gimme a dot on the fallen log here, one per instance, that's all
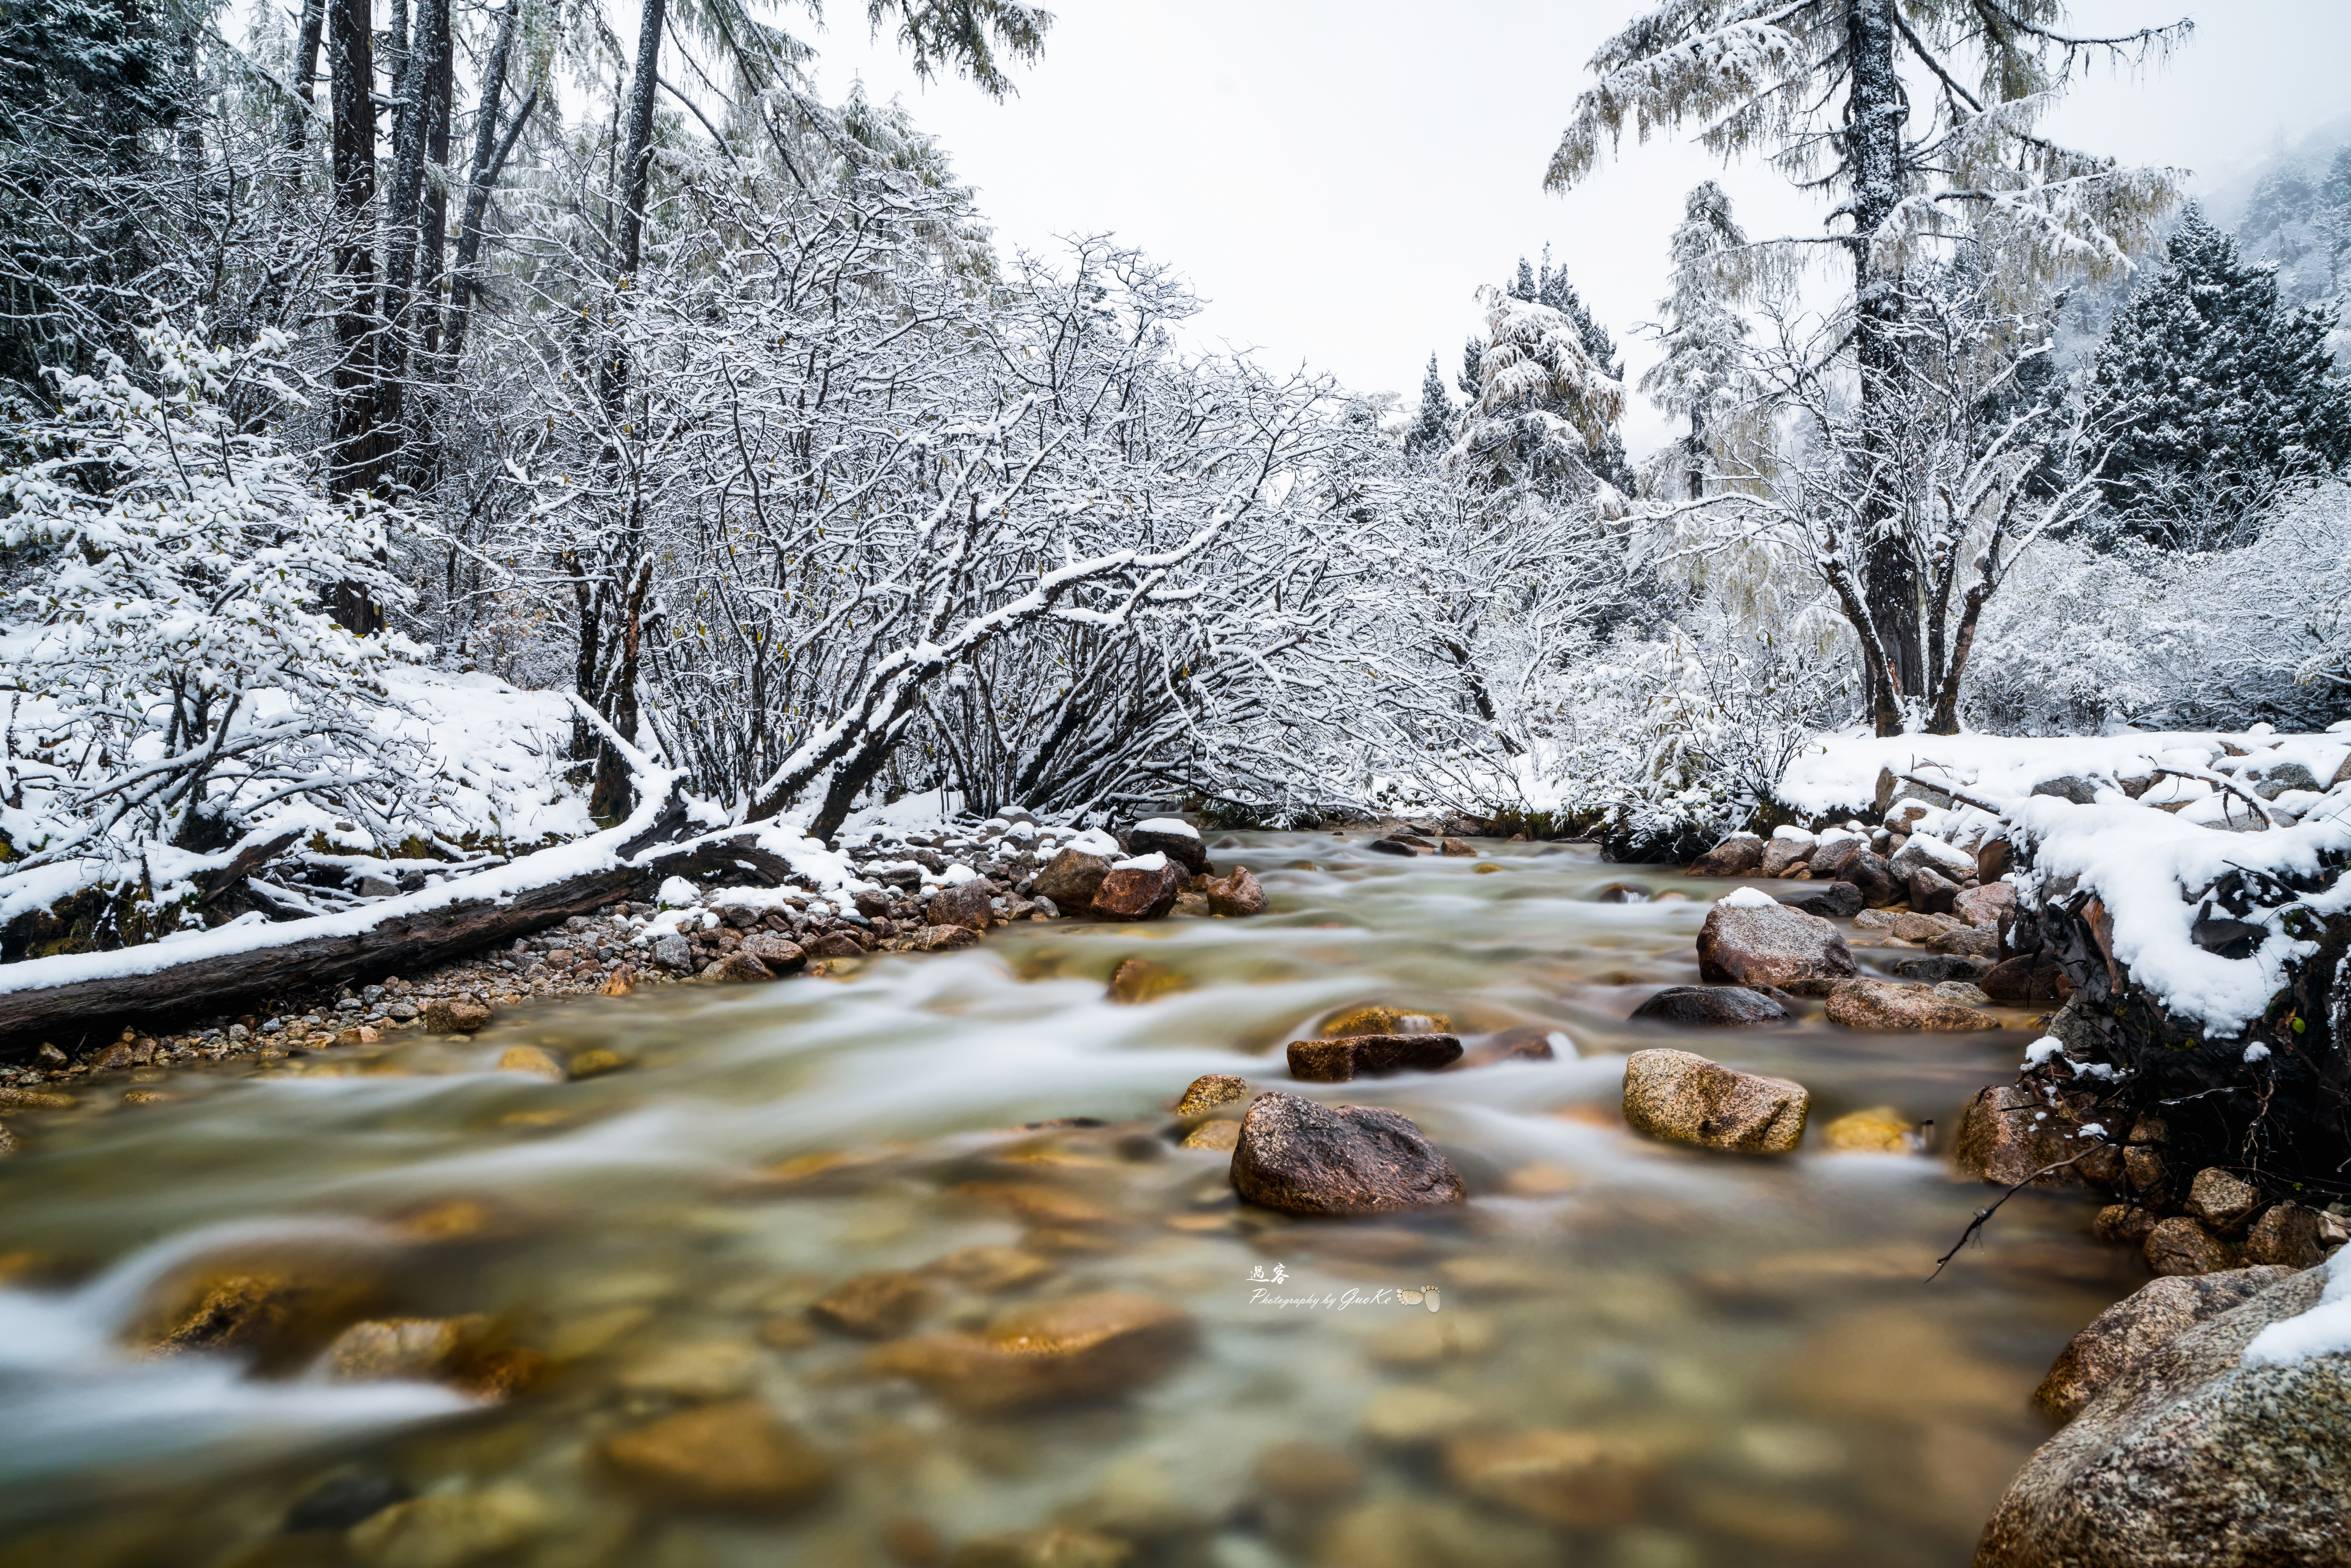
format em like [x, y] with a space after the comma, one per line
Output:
[74, 999]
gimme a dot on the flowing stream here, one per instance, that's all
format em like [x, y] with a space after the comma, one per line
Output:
[1759, 1333]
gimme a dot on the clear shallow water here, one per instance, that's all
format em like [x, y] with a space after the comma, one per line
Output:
[1758, 1335]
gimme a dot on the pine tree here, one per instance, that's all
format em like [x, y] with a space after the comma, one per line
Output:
[1524, 287]
[1819, 86]
[1472, 379]
[2215, 395]
[1702, 334]
[1552, 288]
[1431, 429]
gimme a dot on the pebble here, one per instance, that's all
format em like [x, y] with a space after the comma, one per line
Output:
[1573, 1480]
[1308, 1472]
[880, 1305]
[1881, 1130]
[991, 1269]
[1082, 1347]
[707, 1369]
[532, 1060]
[1414, 1415]
[450, 1530]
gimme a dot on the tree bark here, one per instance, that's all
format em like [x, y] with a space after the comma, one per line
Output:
[306, 73]
[357, 447]
[423, 64]
[637, 157]
[1875, 109]
[490, 153]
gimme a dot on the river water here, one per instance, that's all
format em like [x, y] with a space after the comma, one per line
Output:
[1758, 1335]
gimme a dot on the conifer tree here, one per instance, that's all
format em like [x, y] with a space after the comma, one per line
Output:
[1432, 428]
[2215, 395]
[1702, 332]
[1827, 88]
[1552, 288]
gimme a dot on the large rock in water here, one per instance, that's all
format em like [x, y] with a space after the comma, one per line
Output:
[1737, 855]
[1683, 1098]
[1176, 839]
[1140, 889]
[1079, 1348]
[1770, 945]
[1712, 1007]
[1882, 1005]
[1371, 1056]
[1071, 878]
[2200, 1455]
[2119, 1339]
[1236, 894]
[1829, 900]
[2008, 1134]
[1303, 1157]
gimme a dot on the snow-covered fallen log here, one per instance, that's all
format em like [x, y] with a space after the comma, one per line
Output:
[64, 998]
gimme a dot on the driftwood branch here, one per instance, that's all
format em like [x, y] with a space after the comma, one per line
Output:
[1983, 1215]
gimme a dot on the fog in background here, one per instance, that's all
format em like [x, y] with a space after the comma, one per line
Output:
[1338, 178]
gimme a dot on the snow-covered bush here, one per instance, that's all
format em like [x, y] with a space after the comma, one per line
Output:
[167, 664]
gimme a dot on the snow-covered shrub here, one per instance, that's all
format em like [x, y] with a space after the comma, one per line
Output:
[167, 664]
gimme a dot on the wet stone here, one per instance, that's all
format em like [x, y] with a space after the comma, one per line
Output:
[1525, 1044]
[1771, 945]
[1139, 980]
[1576, 1481]
[734, 1456]
[880, 1305]
[1061, 1548]
[1308, 1472]
[1209, 1091]
[533, 1061]
[1712, 1007]
[991, 1268]
[455, 1015]
[2286, 1234]
[1881, 1005]
[450, 1530]
[1236, 895]
[1083, 1348]
[1371, 1056]
[342, 1501]
[1303, 1157]
[2221, 1199]
[1221, 1137]
[1881, 1130]
[1071, 879]
[1138, 892]
[1682, 1097]
[2122, 1338]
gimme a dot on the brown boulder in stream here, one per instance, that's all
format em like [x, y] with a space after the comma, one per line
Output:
[1144, 891]
[1071, 878]
[1303, 1157]
[2119, 1339]
[1236, 895]
[736, 1457]
[967, 904]
[1770, 945]
[1683, 1098]
[1712, 1007]
[1371, 1056]
[1882, 1005]
[1737, 855]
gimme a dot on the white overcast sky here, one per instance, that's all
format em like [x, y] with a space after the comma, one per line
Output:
[1337, 178]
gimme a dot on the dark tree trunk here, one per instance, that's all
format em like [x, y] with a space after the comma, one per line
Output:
[1876, 109]
[491, 151]
[306, 73]
[636, 176]
[358, 447]
[612, 796]
[423, 64]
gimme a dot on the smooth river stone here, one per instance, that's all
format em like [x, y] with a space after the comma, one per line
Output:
[1711, 1007]
[1083, 1348]
[736, 1456]
[1371, 1056]
[1771, 945]
[1683, 1098]
[1303, 1157]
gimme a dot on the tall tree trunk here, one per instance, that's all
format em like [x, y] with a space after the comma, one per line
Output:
[636, 176]
[1697, 455]
[358, 447]
[1876, 109]
[425, 63]
[490, 152]
[306, 73]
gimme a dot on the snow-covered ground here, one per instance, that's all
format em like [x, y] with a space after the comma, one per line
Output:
[2148, 823]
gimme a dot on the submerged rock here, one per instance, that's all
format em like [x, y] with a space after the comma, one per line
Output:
[1303, 1157]
[2119, 1339]
[277, 1319]
[534, 1062]
[2183, 1246]
[1770, 945]
[2007, 1135]
[1083, 1348]
[1527, 1044]
[1882, 1005]
[1140, 980]
[1880, 1130]
[1383, 1020]
[1684, 1098]
[1371, 1056]
[1576, 1481]
[455, 1015]
[1712, 1007]
[2195, 1456]
[1829, 900]
[448, 1529]
[874, 1306]
[736, 1456]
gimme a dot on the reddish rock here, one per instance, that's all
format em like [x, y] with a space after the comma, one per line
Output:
[779, 955]
[1082, 1347]
[1882, 1005]
[1931, 892]
[1071, 878]
[880, 1305]
[1771, 945]
[1782, 856]
[1527, 1044]
[455, 1015]
[1457, 847]
[2286, 1234]
[1830, 859]
[1236, 894]
[1987, 906]
[945, 938]
[1738, 855]
[735, 1457]
[738, 968]
[1371, 1056]
[840, 945]
[1303, 1157]
[2007, 1135]
[1994, 860]
[1138, 892]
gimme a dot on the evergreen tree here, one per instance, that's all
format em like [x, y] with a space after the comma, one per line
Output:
[1552, 288]
[1819, 87]
[1472, 380]
[2214, 395]
[1523, 287]
[1702, 334]
[1431, 429]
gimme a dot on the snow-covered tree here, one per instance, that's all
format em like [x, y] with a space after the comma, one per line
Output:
[1545, 408]
[1432, 427]
[2216, 394]
[1702, 332]
[1827, 88]
[168, 664]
